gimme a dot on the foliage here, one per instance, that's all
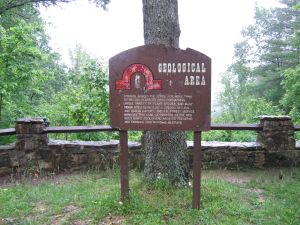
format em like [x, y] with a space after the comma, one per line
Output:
[84, 99]
[273, 50]
[291, 99]
[262, 78]
[27, 67]
[237, 102]
[297, 6]
[33, 83]
[6, 6]
[93, 198]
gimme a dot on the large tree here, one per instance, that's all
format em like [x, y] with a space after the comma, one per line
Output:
[165, 151]
[273, 48]
[261, 71]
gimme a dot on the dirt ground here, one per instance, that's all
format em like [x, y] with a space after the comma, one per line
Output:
[243, 177]
[231, 176]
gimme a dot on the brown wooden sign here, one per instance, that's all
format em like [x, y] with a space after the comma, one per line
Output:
[154, 87]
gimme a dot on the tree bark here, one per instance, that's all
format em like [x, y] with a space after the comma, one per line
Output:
[166, 154]
[161, 24]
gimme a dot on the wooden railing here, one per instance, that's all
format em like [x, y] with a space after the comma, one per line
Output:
[77, 129]
[256, 127]
[8, 131]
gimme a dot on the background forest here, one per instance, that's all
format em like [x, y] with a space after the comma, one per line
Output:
[263, 79]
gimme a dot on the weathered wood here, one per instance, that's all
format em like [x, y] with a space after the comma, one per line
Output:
[256, 127]
[197, 161]
[71, 129]
[297, 127]
[140, 77]
[8, 131]
[76, 129]
[124, 166]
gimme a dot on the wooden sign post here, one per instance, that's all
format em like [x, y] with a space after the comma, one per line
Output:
[160, 88]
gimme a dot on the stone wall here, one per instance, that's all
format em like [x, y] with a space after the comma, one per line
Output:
[34, 153]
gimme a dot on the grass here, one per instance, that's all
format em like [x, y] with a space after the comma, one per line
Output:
[256, 197]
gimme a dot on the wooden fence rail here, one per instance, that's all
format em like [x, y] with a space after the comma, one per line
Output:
[77, 129]
[256, 127]
[8, 131]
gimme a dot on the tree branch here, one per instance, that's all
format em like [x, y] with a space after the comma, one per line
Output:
[9, 5]
[12, 4]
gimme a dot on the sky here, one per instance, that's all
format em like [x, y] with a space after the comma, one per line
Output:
[208, 26]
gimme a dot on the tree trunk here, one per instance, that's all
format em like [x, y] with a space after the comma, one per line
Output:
[166, 154]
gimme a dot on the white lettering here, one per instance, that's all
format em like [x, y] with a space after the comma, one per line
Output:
[186, 67]
[173, 67]
[169, 67]
[179, 67]
[160, 68]
[203, 68]
[164, 67]
[183, 67]
[186, 81]
[193, 67]
[197, 80]
[198, 70]
[203, 83]
[192, 80]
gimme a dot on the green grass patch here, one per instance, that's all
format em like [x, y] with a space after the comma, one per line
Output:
[93, 197]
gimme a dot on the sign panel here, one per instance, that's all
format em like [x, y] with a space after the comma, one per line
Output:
[154, 87]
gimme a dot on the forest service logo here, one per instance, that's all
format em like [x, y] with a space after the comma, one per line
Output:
[125, 83]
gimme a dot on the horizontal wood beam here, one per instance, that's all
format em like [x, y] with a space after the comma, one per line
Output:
[218, 126]
[8, 131]
[71, 129]
[77, 129]
[297, 127]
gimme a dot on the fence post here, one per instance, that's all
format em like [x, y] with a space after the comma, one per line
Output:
[277, 133]
[30, 138]
[277, 138]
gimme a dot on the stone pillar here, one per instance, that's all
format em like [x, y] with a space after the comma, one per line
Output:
[30, 139]
[277, 133]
